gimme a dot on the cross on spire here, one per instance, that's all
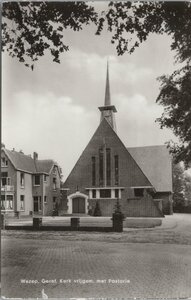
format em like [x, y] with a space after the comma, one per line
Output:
[108, 110]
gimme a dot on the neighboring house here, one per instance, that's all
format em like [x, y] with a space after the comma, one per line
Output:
[28, 184]
[141, 177]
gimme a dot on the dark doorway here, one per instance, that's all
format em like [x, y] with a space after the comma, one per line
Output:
[35, 204]
[78, 205]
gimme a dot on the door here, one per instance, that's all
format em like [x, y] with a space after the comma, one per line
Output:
[35, 204]
[78, 205]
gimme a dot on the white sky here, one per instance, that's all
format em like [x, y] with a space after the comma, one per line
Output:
[53, 109]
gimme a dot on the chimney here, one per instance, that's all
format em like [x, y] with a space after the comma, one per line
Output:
[21, 151]
[35, 155]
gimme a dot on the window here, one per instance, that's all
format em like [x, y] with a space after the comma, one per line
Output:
[139, 192]
[37, 180]
[93, 193]
[3, 202]
[108, 166]
[116, 163]
[4, 176]
[45, 178]
[22, 179]
[40, 203]
[93, 170]
[45, 199]
[22, 200]
[106, 193]
[4, 162]
[116, 193]
[54, 170]
[10, 201]
[101, 167]
[54, 183]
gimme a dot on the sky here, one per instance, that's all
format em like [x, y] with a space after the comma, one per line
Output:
[53, 110]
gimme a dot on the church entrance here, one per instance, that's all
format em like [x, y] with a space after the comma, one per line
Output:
[78, 205]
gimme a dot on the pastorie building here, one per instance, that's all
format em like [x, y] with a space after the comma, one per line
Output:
[28, 185]
[141, 177]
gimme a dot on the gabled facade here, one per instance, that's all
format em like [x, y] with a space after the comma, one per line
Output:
[107, 171]
[28, 185]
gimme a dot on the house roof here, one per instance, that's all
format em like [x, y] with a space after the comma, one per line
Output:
[26, 163]
[155, 162]
[44, 165]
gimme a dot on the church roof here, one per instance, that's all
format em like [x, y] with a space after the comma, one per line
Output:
[26, 163]
[155, 162]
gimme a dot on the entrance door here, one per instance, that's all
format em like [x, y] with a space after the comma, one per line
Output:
[78, 205]
[35, 204]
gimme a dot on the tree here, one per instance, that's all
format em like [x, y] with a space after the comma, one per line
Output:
[31, 28]
[181, 189]
[97, 211]
[178, 187]
[188, 190]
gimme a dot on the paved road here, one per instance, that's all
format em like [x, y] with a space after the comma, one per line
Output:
[156, 267]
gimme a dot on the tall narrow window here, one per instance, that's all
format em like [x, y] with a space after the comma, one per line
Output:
[22, 179]
[116, 162]
[54, 183]
[108, 167]
[101, 167]
[3, 202]
[40, 203]
[93, 170]
[22, 200]
[93, 193]
[37, 180]
[4, 176]
[10, 201]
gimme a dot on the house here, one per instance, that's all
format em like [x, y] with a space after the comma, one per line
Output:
[28, 185]
[141, 177]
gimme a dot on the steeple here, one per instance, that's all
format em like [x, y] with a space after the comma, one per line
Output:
[108, 110]
[107, 88]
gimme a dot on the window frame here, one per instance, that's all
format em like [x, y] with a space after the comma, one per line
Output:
[22, 179]
[102, 191]
[22, 207]
[35, 179]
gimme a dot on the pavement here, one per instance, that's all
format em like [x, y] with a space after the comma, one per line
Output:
[138, 263]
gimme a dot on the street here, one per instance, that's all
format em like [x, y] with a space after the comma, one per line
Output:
[146, 263]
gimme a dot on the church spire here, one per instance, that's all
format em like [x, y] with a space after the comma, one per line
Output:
[107, 88]
[108, 110]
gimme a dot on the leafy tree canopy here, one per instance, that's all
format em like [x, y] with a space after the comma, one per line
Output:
[31, 28]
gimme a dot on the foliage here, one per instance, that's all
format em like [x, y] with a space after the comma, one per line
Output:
[181, 188]
[175, 96]
[97, 211]
[117, 210]
[31, 28]
[132, 22]
[178, 186]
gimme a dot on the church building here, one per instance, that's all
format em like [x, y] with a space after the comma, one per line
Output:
[141, 177]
